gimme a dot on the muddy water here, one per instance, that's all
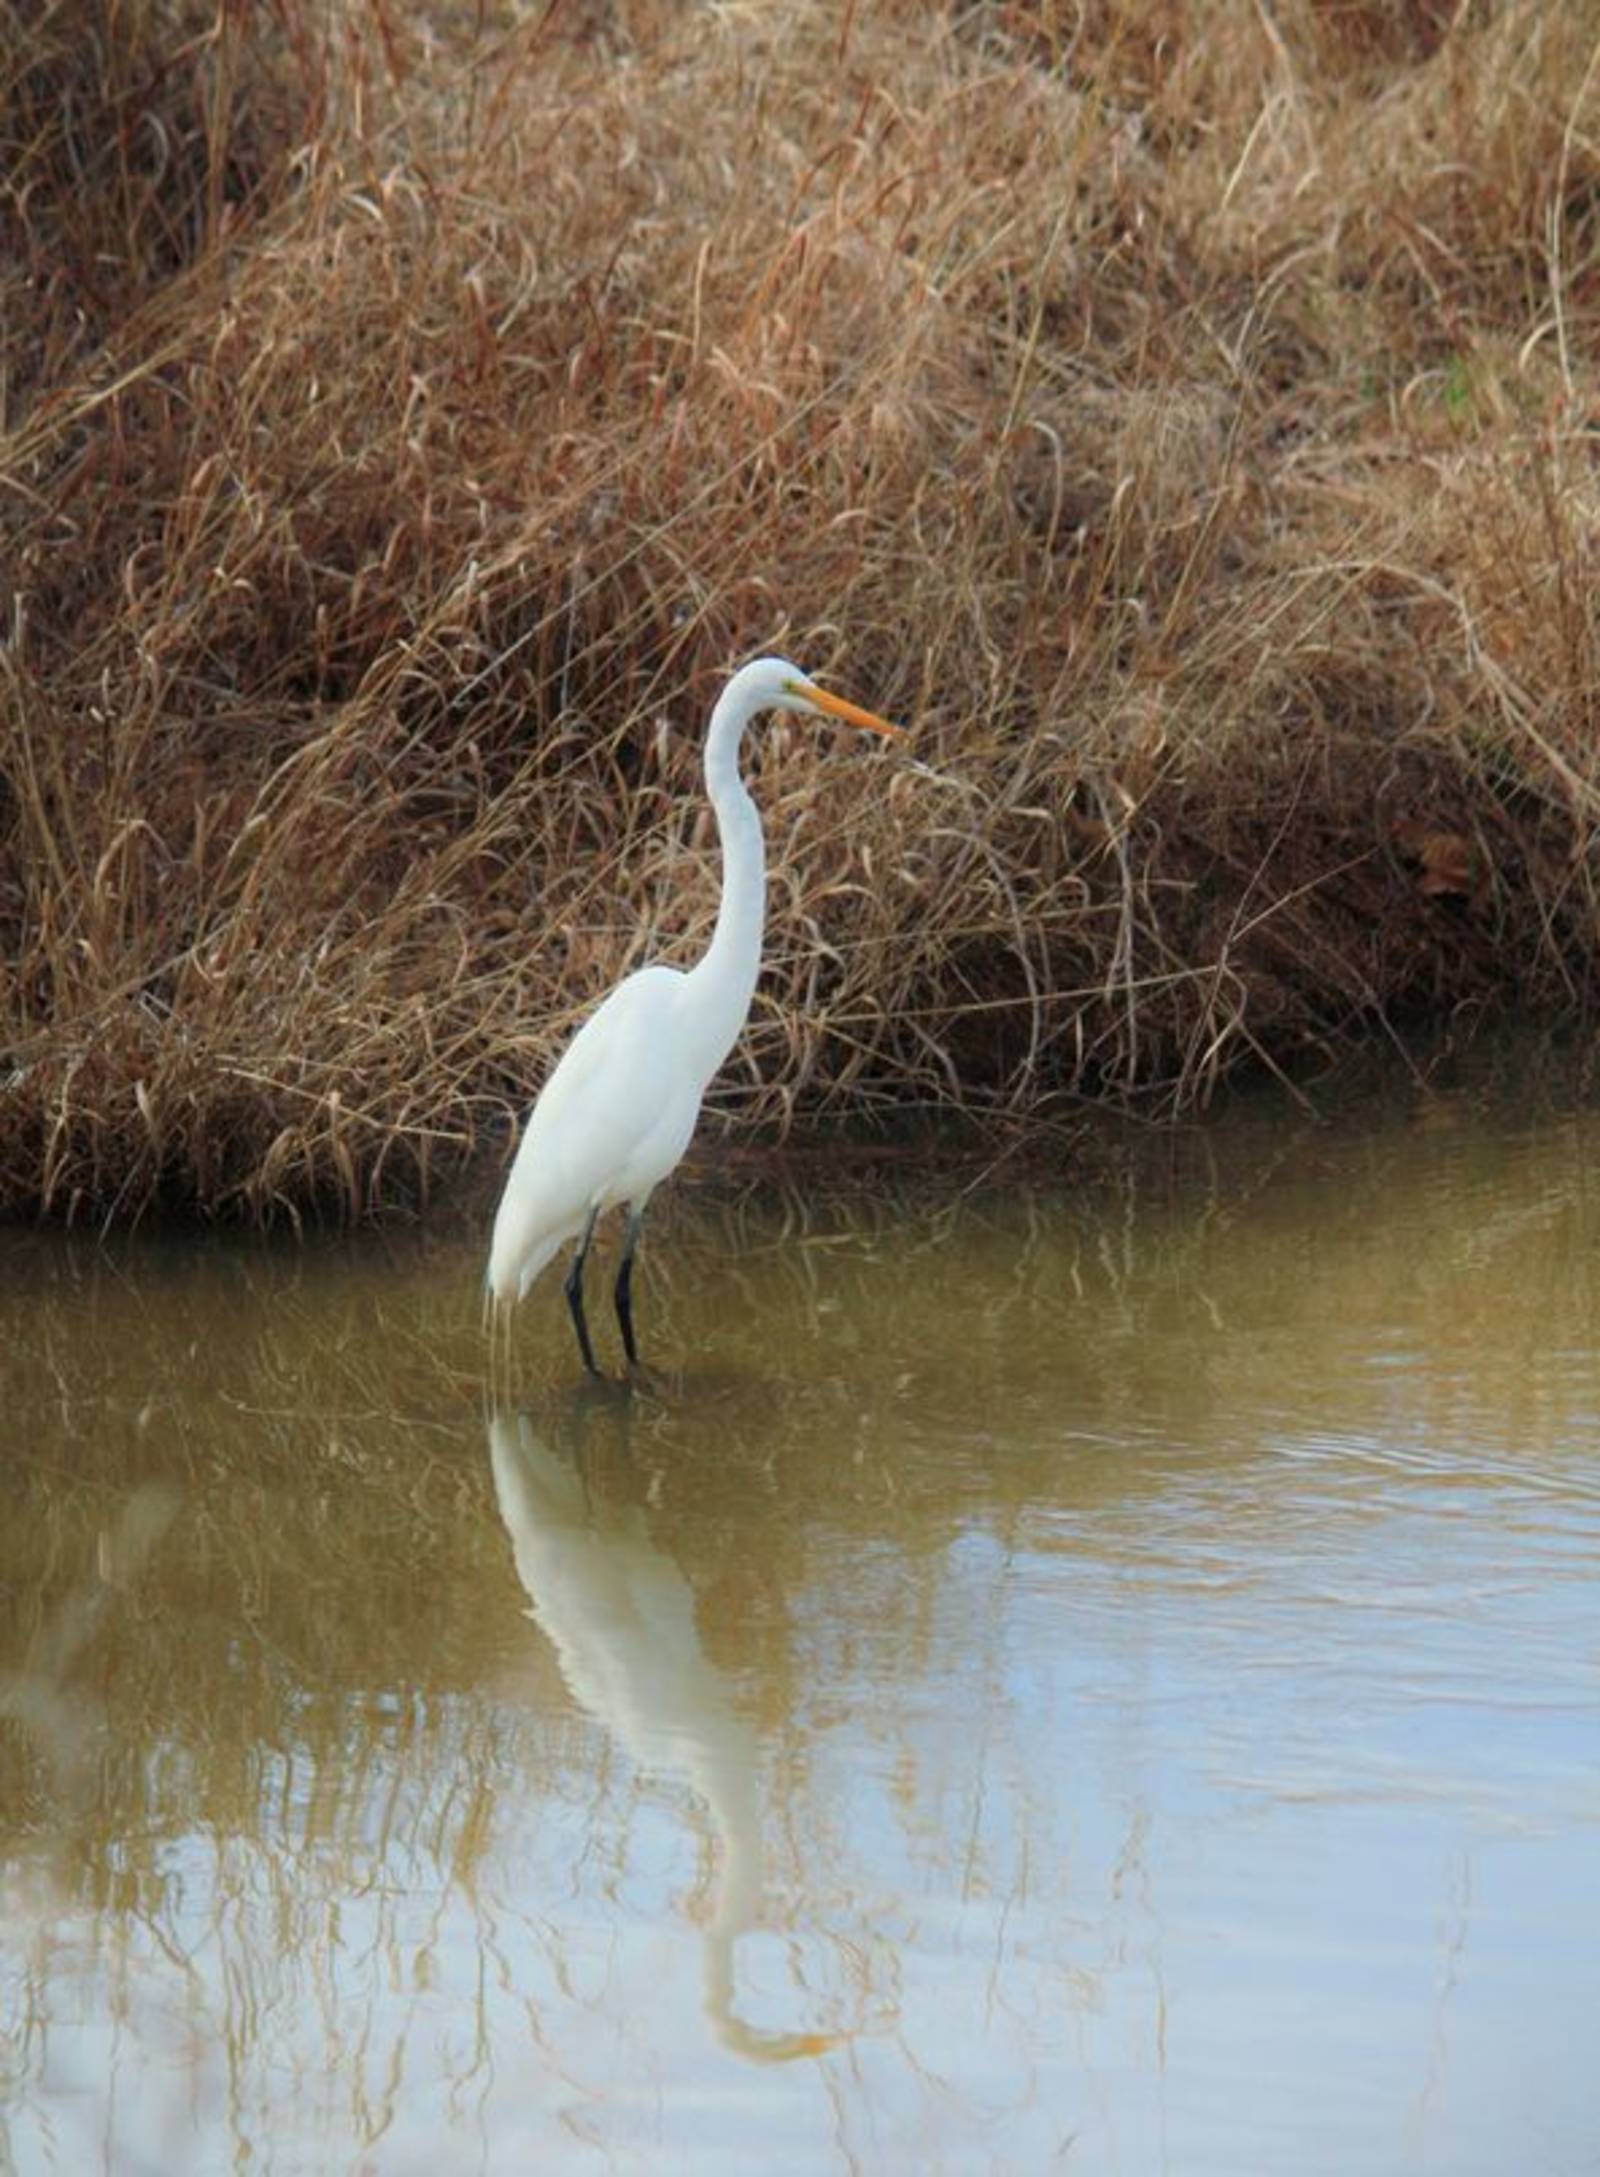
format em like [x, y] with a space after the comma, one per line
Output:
[1035, 1680]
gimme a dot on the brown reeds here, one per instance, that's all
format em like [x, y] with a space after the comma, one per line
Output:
[1184, 417]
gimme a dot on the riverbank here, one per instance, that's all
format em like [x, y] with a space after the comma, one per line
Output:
[1185, 421]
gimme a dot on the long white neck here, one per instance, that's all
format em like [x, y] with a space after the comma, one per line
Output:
[723, 982]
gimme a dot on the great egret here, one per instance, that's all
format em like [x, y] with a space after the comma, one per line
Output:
[616, 1114]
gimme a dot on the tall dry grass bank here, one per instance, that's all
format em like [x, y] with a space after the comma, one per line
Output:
[1183, 413]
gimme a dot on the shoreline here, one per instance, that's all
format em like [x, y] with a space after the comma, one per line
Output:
[1187, 431]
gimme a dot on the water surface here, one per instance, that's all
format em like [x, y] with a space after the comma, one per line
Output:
[1037, 1678]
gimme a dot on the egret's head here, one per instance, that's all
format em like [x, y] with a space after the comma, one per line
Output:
[773, 684]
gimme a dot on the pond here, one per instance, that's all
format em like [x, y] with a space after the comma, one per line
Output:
[1038, 1675]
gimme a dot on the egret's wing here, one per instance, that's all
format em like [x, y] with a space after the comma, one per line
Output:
[603, 1098]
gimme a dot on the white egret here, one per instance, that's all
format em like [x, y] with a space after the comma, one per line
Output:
[617, 1113]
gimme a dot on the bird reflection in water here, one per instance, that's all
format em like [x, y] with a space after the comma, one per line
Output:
[44, 1697]
[621, 1617]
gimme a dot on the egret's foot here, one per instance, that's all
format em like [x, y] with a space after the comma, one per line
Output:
[596, 1392]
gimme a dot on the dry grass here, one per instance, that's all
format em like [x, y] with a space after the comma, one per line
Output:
[1184, 416]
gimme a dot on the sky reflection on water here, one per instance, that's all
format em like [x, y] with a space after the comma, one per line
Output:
[1107, 1681]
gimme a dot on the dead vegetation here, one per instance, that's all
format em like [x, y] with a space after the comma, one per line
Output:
[1184, 416]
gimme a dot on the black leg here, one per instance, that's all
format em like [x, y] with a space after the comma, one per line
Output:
[624, 1292]
[573, 1288]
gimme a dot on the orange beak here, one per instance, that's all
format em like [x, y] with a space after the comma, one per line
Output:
[853, 715]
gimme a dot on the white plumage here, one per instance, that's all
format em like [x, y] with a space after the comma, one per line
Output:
[617, 1113]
